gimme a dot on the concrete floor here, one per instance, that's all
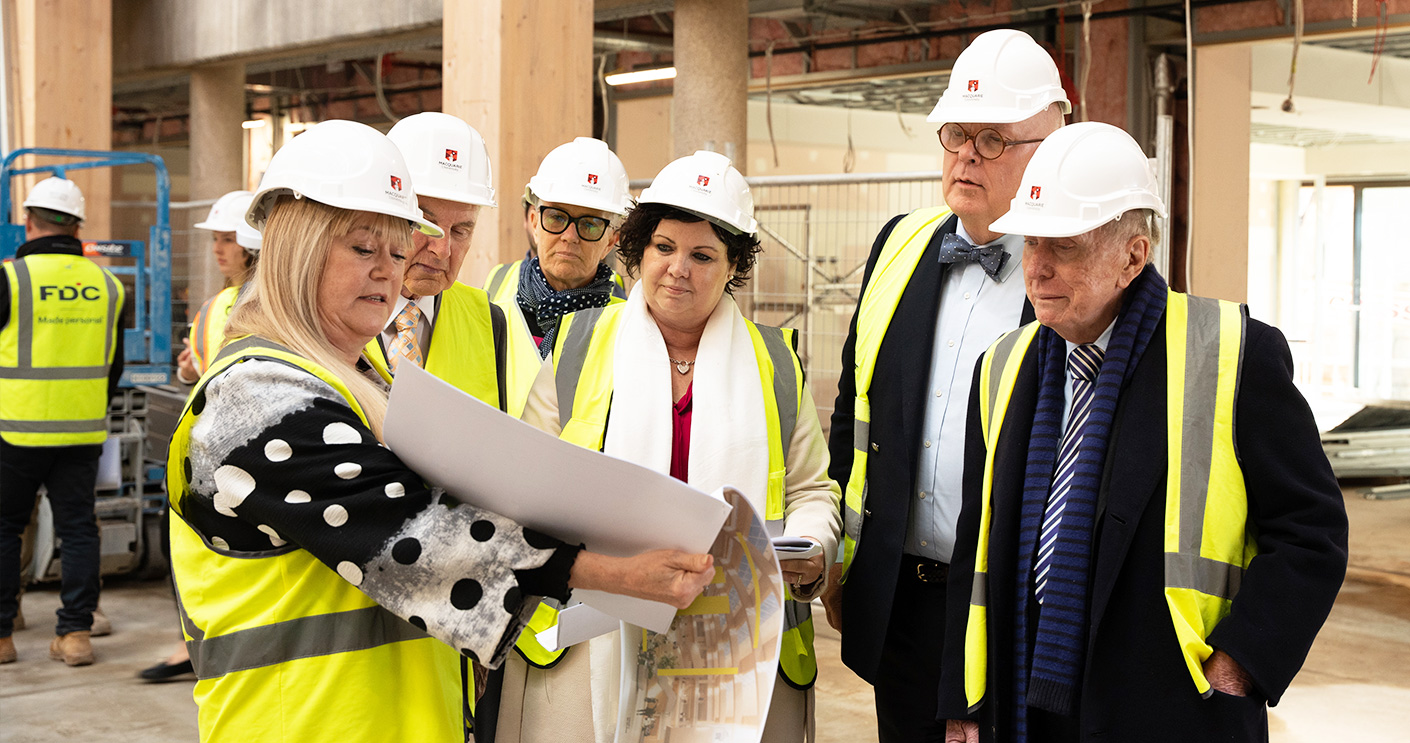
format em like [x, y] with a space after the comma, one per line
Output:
[1354, 686]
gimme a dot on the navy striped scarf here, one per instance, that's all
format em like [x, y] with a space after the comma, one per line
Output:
[1059, 648]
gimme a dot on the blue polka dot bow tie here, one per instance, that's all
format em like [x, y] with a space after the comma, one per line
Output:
[956, 249]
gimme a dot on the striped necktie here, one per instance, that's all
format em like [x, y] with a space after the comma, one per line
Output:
[1083, 364]
[405, 345]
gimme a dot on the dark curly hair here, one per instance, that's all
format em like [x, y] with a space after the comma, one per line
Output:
[635, 234]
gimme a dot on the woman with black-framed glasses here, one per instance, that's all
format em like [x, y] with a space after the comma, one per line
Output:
[574, 202]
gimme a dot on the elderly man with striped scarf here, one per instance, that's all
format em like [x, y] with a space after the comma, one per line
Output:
[1151, 537]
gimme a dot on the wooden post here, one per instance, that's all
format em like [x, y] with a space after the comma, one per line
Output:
[63, 96]
[520, 72]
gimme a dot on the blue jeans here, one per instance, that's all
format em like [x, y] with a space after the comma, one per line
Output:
[69, 473]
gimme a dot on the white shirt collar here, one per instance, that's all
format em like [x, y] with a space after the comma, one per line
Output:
[428, 311]
[1101, 341]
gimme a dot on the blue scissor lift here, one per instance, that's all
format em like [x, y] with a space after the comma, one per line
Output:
[130, 493]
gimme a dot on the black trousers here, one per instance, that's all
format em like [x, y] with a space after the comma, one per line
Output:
[69, 473]
[908, 677]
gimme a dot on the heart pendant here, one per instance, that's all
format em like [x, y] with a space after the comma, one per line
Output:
[683, 367]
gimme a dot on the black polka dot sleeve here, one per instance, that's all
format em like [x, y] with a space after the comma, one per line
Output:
[280, 462]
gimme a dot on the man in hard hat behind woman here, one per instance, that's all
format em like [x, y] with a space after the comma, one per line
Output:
[577, 197]
[449, 329]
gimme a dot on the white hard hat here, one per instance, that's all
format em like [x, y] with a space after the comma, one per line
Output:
[1002, 77]
[707, 185]
[57, 194]
[342, 164]
[226, 212]
[447, 157]
[246, 236]
[1081, 177]
[583, 173]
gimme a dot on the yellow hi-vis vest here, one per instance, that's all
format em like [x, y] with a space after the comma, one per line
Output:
[56, 350]
[208, 329]
[1208, 542]
[583, 376]
[285, 648]
[524, 361]
[463, 348]
[894, 267]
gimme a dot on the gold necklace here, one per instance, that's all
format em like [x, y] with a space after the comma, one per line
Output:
[682, 366]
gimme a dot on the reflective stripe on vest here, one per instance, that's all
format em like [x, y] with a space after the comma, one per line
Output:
[462, 349]
[894, 267]
[1207, 543]
[583, 376]
[56, 351]
[524, 359]
[208, 329]
[267, 630]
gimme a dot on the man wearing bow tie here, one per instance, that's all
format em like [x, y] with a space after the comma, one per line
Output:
[939, 287]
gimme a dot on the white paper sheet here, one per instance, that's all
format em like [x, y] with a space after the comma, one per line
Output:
[488, 459]
[577, 623]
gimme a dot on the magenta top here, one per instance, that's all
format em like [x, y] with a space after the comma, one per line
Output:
[680, 436]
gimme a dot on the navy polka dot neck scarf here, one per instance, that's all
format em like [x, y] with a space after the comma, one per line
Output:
[546, 305]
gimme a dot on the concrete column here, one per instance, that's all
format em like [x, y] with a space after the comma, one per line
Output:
[1219, 212]
[520, 72]
[63, 89]
[217, 161]
[712, 78]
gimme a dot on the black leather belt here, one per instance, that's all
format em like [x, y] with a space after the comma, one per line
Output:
[924, 570]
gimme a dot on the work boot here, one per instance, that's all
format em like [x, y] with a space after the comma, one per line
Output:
[7, 650]
[73, 649]
[102, 626]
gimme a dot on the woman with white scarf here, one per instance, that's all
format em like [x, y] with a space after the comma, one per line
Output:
[677, 380]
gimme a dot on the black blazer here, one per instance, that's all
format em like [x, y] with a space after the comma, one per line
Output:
[1136, 685]
[898, 395]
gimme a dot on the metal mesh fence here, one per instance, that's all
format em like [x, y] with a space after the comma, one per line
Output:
[193, 279]
[817, 233]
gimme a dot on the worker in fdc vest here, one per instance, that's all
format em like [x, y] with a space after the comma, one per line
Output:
[448, 328]
[236, 255]
[60, 361]
[941, 283]
[1151, 536]
[576, 199]
[677, 380]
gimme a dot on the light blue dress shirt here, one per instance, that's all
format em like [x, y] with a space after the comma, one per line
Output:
[974, 311]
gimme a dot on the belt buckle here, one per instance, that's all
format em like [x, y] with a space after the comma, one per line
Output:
[927, 573]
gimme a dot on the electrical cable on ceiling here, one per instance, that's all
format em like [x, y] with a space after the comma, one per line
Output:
[1086, 59]
[602, 85]
[769, 97]
[1382, 29]
[909, 132]
[381, 97]
[1355, 11]
[1298, 18]
[849, 158]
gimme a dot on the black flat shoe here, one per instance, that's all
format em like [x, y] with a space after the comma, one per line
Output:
[163, 672]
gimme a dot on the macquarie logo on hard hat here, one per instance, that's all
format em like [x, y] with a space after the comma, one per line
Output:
[702, 185]
[1035, 193]
[1034, 200]
[974, 94]
[395, 191]
[451, 161]
[592, 178]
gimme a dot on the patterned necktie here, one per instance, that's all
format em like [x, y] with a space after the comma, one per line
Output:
[956, 249]
[1083, 364]
[405, 345]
